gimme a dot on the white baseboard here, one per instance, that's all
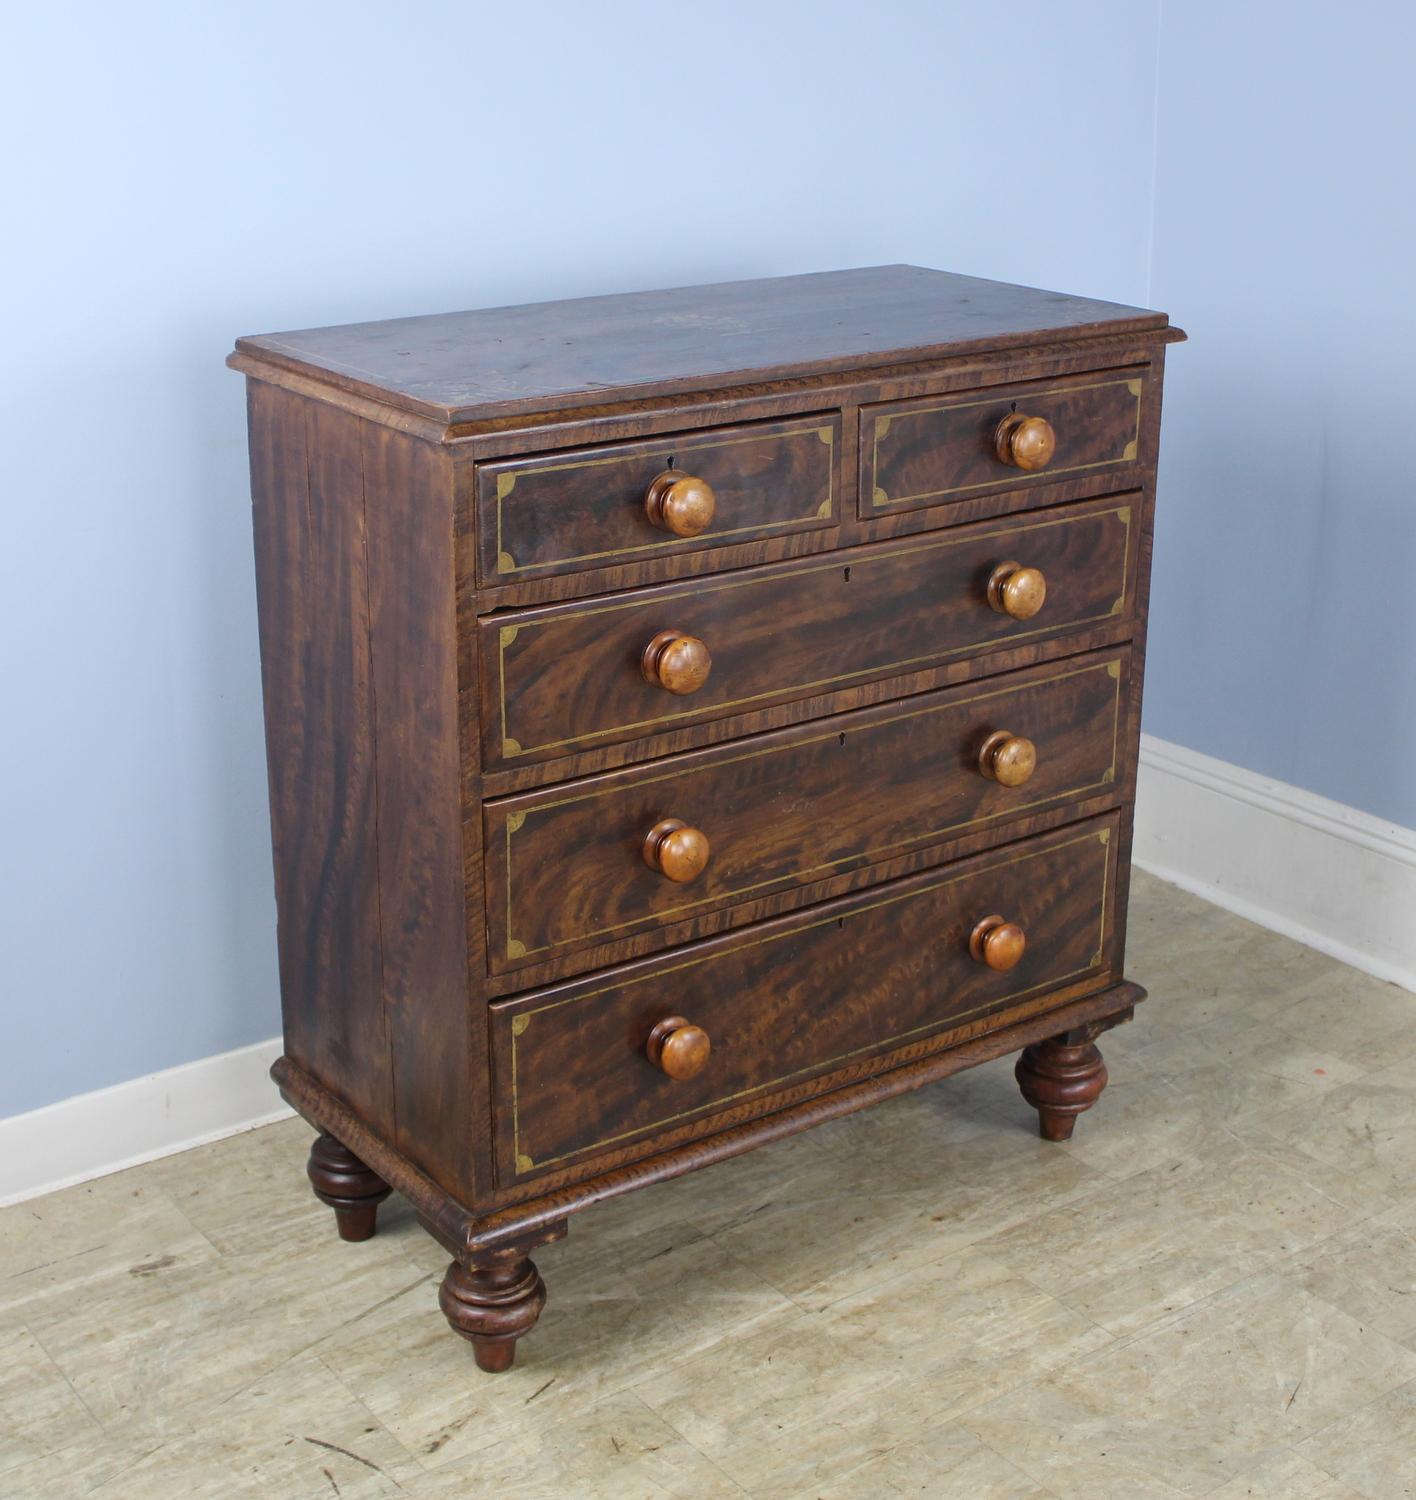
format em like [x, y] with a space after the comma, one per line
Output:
[93, 1134]
[1337, 879]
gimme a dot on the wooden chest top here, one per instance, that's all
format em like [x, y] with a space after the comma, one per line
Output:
[548, 356]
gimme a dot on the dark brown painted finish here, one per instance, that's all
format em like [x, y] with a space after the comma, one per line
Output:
[313, 597]
[540, 1206]
[492, 1302]
[559, 679]
[817, 874]
[353, 530]
[941, 451]
[459, 367]
[530, 436]
[407, 494]
[586, 508]
[696, 734]
[1061, 1077]
[794, 998]
[788, 897]
[342, 1182]
[790, 808]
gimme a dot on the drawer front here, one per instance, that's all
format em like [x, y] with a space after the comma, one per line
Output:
[585, 509]
[566, 868]
[564, 678]
[805, 995]
[934, 451]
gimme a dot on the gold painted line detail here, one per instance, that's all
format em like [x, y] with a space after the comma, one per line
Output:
[889, 900]
[672, 541]
[1122, 513]
[986, 484]
[814, 871]
[1052, 390]
[879, 498]
[1054, 981]
[506, 836]
[736, 893]
[787, 1078]
[885, 669]
[1105, 838]
[671, 440]
[795, 522]
[919, 542]
[885, 720]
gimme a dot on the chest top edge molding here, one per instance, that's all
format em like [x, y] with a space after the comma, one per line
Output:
[452, 371]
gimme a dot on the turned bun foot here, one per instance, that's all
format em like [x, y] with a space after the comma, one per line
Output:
[492, 1304]
[1060, 1078]
[350, 1188]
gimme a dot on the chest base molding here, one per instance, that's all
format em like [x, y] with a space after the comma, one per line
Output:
[470, 1238]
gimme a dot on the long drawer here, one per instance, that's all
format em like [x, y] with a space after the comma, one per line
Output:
[594, 862]
[812, 993]
[575, 676]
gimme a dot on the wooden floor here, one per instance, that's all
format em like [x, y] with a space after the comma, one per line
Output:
[1210, 1292]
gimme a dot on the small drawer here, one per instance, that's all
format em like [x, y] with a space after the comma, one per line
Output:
[623, 857]
[566, 677]
[939, 450]
[738, 1018]
[591, 508]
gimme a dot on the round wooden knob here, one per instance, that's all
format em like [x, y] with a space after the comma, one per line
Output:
[678, 1047]
[1015, 590]
[676, 662]
[678, 502]
[1025, 442]
[1008, 759]
[997, 943]
[674, 849]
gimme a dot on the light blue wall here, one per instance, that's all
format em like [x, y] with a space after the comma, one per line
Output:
[190, 173]
[186, 173]
[1283, 632]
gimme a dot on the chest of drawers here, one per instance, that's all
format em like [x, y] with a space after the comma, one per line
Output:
[691, 716]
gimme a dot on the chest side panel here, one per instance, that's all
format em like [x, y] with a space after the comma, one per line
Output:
[312, 589]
